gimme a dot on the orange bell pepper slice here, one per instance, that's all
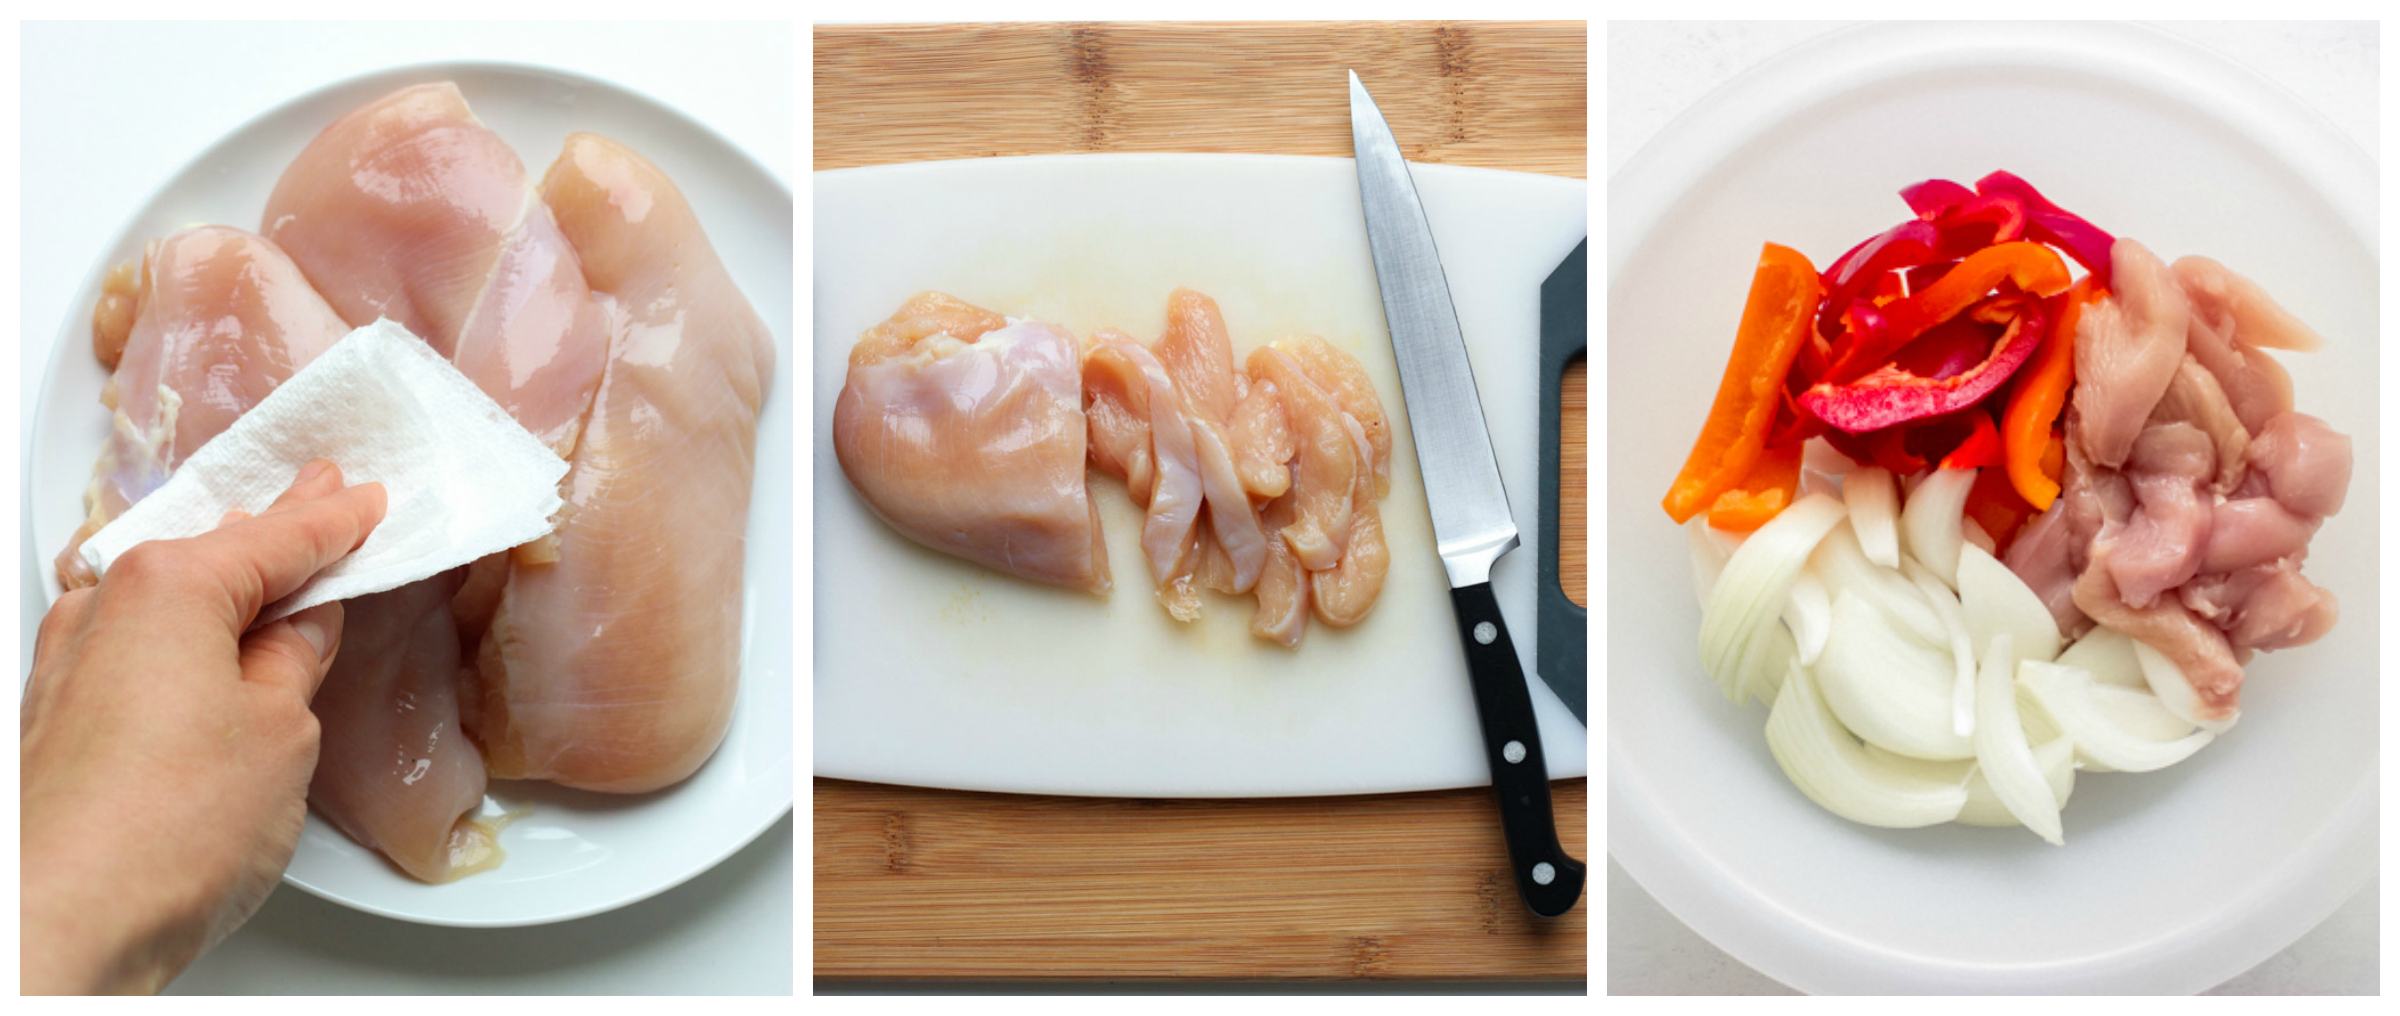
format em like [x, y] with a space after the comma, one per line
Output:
[1773, 483]
[2041, 394]
[1784, 292]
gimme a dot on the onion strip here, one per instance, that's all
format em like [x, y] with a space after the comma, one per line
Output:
[1835, 771]
[2067, 693]
[2001, 752]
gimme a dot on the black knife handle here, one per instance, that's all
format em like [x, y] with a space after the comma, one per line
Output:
[1547, 879]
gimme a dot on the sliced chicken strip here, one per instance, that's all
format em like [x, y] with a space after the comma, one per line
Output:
[1346, 592]
[215, 319]
[1283, 587]
[1346, 379]
[2258, 387]
[2127, 348]
[2303, 462]
[1172, 506]
[2162, 545]
[402, 778]
[2196, 646]
[1116, 406]
[2255, 531]
[1262, 441]
[1326, 465]
[2286, 610]
[1198, 355]
[2194, 397]
[1231, 519]
[615, 668]
[2257, 319]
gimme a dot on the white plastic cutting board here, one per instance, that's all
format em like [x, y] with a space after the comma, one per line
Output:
[933, 672]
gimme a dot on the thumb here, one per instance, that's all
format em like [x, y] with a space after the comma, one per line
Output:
[295, 652]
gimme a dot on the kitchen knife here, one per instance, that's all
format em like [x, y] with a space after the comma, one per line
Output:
[1558, 654]
[1472, 525]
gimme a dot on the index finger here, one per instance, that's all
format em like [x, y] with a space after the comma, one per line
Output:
[263, 559]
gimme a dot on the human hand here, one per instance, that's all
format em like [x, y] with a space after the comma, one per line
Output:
[165, 755]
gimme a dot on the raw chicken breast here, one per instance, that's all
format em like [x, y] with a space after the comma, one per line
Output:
[2194, 397]
[2215, 291]
[1327, 464]
[2196, 646]
[215, 320]
[2127, 348]
[2305, 463]
[615, 667]
[395, 770]
[1283, 595]
[2162, 545]
[974, 446]
[410, 208]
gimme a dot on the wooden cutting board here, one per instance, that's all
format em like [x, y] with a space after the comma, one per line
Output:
[916, 883]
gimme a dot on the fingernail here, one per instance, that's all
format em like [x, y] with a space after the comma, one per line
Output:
[313, 630]
[314, 469]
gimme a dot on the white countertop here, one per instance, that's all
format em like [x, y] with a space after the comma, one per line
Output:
[109, 112]
[1656, 70]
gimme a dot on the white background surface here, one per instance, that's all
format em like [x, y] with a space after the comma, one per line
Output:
[1655, 71]
[97, 139]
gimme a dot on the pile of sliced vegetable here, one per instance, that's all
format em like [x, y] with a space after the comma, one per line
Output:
[1913, 678]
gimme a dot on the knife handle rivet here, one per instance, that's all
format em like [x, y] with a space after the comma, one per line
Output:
[1485, 632]
[1513, 751]
[1543, 873]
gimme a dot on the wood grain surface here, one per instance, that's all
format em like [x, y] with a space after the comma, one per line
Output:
[918, 883]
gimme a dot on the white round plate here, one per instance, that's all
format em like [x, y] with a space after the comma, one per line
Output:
[2169, 881]
[574, 853]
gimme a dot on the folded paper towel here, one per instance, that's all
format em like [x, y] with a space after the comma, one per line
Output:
[462, 478]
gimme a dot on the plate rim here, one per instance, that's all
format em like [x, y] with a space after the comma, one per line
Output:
[1656, 180]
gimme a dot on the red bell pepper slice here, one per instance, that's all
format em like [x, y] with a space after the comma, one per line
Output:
[1902, 246]
[2050, 224]
[1888, 395]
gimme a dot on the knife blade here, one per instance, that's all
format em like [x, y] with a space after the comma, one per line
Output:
[1472, 525]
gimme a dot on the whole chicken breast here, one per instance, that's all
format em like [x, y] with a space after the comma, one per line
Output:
[615, 666]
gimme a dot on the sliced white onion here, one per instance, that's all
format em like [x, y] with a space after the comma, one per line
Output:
[1814, 482]
[1750, 593]
[1931, 524]
[2139, 712]
[1962, 649]
[1763, 665]
[2001, 753]
[2067, 693]
[2174, 691]
[1874, 513]
[1841, 564]
[2039, 727]
[2108, 654]
[1835, 771]
[2056, 757]
[1807, 615]
[1886, 687]
[1995, 600]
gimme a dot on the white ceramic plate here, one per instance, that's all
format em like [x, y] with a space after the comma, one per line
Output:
[2169, 881]
[1004, 685]
[575, 853]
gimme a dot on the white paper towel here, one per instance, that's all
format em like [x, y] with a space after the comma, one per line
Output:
[463, 479]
